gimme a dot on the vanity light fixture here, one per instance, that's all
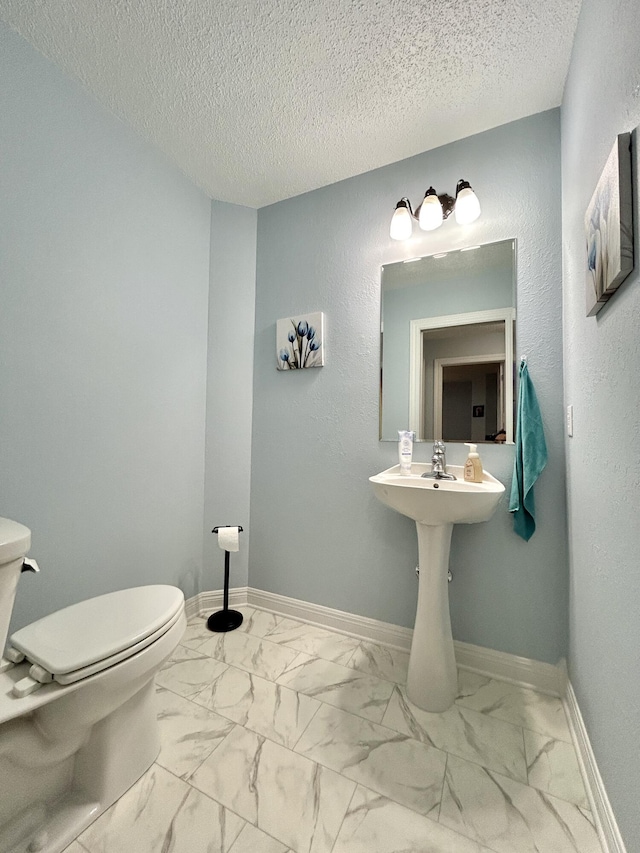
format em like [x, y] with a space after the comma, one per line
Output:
[434, 209]
[401, 224]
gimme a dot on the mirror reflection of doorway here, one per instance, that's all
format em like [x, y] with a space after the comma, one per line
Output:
[457, 400]
[472, 397]
[463, 382]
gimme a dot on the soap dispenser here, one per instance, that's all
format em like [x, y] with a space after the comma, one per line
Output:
[473, 466]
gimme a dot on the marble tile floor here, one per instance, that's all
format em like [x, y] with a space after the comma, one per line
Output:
[281, 737]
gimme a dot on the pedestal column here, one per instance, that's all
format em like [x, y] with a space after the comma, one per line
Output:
[432, 681]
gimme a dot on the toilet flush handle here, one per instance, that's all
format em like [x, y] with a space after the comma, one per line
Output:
[29, 566]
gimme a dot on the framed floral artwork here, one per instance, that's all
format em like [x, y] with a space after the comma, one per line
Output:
[300, 342]
[608, 226]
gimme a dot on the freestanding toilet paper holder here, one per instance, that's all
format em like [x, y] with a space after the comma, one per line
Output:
[225, 619]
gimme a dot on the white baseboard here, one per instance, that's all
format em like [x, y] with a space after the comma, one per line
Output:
[210, 601]
[540, 676]
[530, 673]
[351, 624]
[543, 677]
[606, 824]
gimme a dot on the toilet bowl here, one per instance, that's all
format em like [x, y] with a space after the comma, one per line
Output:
[78, 722]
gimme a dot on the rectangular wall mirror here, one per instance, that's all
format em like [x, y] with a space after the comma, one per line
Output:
[447, 345]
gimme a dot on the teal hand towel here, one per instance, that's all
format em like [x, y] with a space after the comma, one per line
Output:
[530, 457]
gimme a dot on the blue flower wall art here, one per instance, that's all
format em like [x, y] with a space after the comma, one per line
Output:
[300, 342]
[609, 228]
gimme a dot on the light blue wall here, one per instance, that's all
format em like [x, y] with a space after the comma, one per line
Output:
[229, 387]
[602, 382]
[318, 533]
[104, 274]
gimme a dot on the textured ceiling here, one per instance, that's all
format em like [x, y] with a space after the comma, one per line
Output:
[260, 100]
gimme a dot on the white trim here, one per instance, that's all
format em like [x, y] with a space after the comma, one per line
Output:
[606, 824]
[351, 624]
[417, 327]
[537, 675]
[211, 601]
[438, 381]
[191, 607]
[544, 677]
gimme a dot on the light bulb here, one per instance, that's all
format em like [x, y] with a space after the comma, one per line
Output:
[401, 222]
[431, 215]
[467, 207]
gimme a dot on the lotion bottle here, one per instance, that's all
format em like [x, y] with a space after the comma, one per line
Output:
[473, 466]
[405, 450]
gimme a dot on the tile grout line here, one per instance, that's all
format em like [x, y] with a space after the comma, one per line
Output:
[242, 725]
[379, 793]
[352, 781]
[263, 831]
[276, 683]
[344, 665]
[524, 752]
[219, 744]
[222, 805]
[395, 684]
[449, 751]
[246, 821]
[517, 725]
[344, 817]
[426, 817]
[380, 723]
[315, 655]
[543, 734]
[543, 790]
[192, 698]
[175, 693]
[292, 749]
[439, 749]
[314, 715]
[444, 781]
[384, 796]
[350, 658]
[386, 707]
[352, 672]
[291, 648]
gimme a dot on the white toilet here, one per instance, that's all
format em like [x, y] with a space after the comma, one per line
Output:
[78, 722]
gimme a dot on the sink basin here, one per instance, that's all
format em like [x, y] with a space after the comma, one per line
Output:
[431, 501]
[435, 506]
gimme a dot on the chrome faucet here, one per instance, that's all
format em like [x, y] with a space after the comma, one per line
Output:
[438, 463]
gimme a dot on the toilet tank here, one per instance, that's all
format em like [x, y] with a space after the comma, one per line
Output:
[15, 541]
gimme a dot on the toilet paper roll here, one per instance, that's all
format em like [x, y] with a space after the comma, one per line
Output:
[228, 538]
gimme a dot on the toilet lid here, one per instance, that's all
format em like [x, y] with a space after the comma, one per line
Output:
[98, 628]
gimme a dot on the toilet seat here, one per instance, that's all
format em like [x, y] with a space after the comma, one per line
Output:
[88, 637]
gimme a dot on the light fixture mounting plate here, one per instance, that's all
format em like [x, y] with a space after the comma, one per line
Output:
[448, 203]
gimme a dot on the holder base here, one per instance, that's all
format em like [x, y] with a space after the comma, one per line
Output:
[224, 620]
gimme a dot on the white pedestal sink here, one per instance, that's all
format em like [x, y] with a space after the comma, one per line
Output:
[435, 506]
